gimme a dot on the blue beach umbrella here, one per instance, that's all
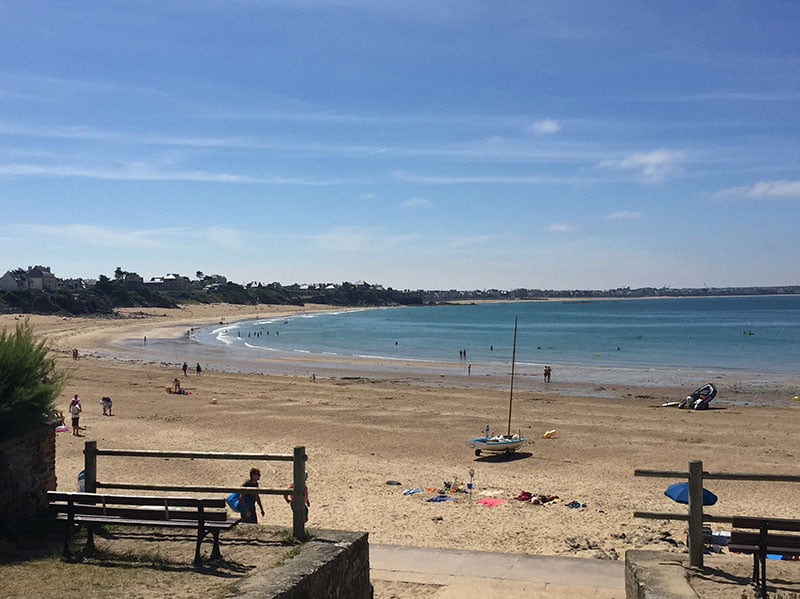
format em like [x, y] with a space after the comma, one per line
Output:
[680, 492]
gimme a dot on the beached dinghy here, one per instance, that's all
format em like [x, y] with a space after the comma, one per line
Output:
[507, 443]
[496, 444]
[698, 400]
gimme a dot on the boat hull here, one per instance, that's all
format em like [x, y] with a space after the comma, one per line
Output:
[495, 444]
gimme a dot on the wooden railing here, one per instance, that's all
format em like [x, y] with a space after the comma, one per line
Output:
[695, 516]
[298, 459]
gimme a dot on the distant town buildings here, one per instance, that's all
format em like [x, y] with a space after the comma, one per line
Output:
[40, 278]
[37, 278]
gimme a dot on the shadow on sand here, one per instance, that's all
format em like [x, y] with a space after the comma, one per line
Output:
[503, 457]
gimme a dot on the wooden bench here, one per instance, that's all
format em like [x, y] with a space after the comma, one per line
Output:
[764, 542]
[206, 515]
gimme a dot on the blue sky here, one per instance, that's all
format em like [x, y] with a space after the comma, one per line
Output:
[436, 144]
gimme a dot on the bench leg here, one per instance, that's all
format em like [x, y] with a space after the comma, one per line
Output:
[70, 521]
[197, 557]
[66, 553]
[89, 548]
[755, 569]
[215, 552]
[763, 583]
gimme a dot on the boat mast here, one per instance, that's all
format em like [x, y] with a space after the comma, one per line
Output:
[513, 362]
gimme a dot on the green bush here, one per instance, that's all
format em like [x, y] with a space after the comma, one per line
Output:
[29, 381]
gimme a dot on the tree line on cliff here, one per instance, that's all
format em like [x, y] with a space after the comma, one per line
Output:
[107, 294]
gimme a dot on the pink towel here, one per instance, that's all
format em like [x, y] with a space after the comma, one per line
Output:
[490, 501]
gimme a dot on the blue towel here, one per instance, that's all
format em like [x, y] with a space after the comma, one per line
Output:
[411, 491]
[441, 498]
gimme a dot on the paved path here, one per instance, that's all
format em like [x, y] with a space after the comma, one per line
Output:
[479, 574]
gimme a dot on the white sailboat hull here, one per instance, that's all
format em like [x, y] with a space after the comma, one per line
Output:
[497, 444]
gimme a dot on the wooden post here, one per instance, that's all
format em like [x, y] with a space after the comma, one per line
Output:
[696, 513]
[90, 465]
[299, 495]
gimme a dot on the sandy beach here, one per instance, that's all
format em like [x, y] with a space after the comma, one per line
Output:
[364, 424]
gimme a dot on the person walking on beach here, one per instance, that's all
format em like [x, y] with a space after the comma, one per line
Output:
[197, 369]
[106, 403]
[185, 368]
[249, 500]
[547, 371]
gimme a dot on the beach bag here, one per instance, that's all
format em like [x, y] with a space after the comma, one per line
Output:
[234, 502]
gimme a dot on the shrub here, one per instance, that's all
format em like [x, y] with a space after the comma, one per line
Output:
[29, 381]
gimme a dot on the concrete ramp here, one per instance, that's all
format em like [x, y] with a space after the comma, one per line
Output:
[467, 574]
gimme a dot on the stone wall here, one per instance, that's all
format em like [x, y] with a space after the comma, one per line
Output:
[27, 472]
[656, 575]
[334, 564]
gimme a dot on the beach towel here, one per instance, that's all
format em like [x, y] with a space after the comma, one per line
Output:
[411, 491]
[439, 498]
[491, 501]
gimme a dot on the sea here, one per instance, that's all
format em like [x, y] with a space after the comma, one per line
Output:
[749, 333]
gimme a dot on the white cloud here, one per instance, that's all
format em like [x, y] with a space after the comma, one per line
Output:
[417, 203]
[137, 171]
[342, 239]
[225, 238]
[148, 239]
[545, 127]
[764, 190]
[560, 227]
[748, 96]
[653, 166]
[624, 215]
[492, 179]
[470, 241]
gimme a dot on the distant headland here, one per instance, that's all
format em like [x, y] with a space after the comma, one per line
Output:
[38, 290]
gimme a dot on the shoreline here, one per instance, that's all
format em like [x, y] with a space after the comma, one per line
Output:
[121, 339]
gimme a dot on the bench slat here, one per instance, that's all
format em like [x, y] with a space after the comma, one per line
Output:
[754, 538]
[141, 514]
[217, 525]
[91, 498]
[771, 549]
[771, 523]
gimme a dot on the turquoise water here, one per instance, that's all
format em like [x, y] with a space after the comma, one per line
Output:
[661, 333]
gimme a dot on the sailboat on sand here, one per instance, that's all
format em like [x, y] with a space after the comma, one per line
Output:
[507, 443]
